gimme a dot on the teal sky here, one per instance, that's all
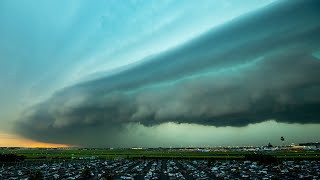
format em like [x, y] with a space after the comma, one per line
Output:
[59, 54]
[47, 45]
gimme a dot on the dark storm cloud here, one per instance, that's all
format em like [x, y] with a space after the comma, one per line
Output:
[257, 67]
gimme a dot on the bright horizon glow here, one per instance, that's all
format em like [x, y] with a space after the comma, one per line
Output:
[12, 140]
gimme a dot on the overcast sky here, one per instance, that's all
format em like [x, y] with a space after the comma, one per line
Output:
[159, 73]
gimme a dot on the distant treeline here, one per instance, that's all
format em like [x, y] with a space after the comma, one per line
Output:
[11, 158]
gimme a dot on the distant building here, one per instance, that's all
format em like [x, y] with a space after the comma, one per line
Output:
[316, 144]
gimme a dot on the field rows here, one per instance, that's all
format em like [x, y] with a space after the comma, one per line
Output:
[133, 154]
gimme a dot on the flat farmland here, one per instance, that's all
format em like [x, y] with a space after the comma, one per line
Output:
[153, 154]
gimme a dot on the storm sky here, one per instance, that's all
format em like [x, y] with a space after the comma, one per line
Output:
[160, 73]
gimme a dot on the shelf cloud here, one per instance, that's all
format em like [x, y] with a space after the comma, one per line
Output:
[259, 66]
